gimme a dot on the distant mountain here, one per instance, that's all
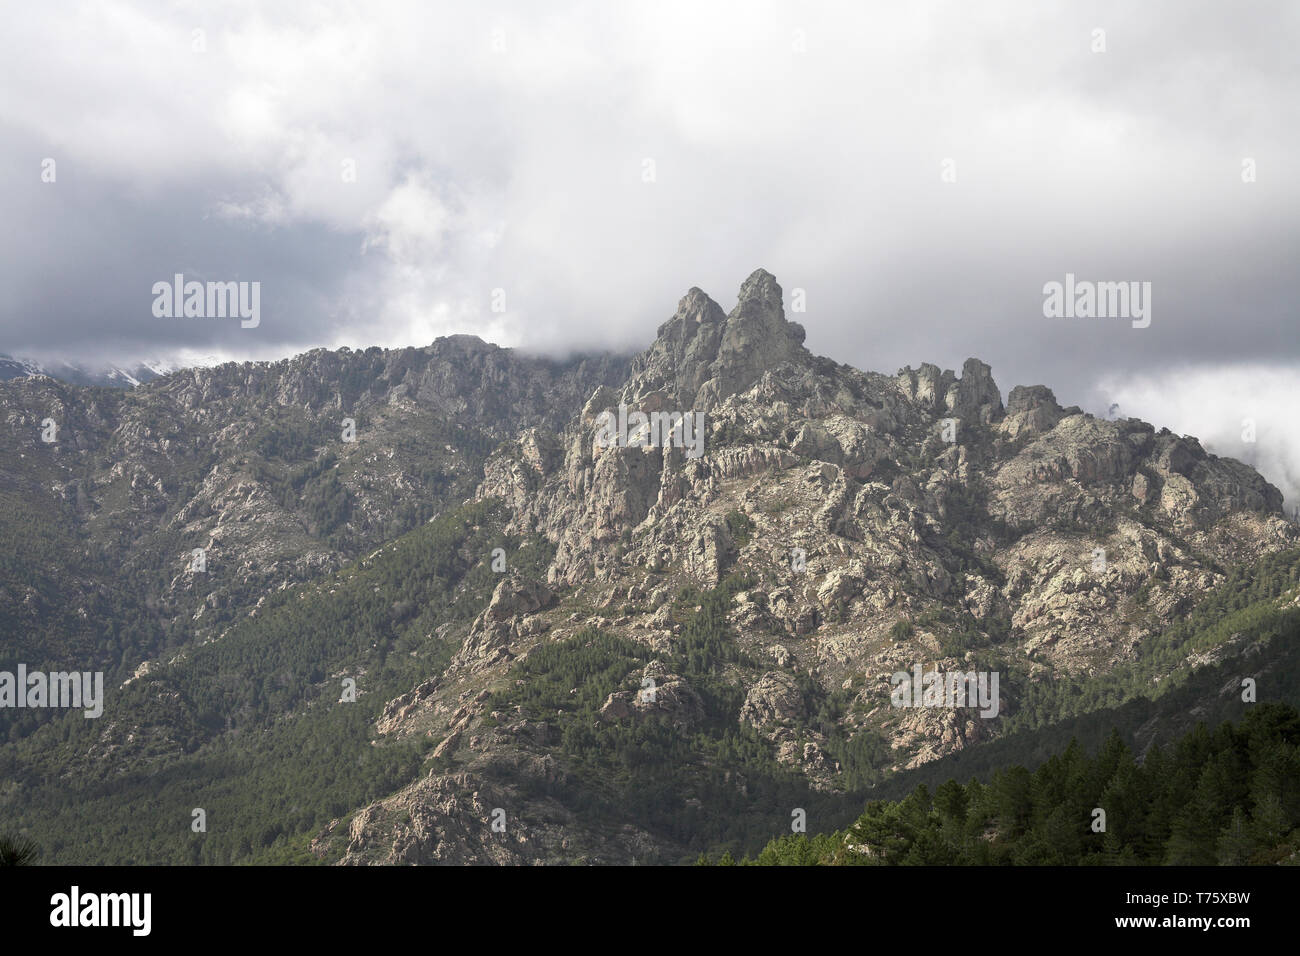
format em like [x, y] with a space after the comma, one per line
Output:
[106, 376]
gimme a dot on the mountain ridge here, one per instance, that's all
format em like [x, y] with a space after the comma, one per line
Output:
[841, 525]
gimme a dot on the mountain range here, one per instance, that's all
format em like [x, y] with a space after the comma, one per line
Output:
[406, 606]
[101, 375]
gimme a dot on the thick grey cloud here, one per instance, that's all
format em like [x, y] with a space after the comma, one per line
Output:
[508, 147]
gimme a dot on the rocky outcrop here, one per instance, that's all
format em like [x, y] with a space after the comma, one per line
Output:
[773, 699]
[1032, 410]
[473, 818]
[927, 387]
[974, 397]
[491, 634]
[661, 692]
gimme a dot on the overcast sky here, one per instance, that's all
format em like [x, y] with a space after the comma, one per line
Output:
[508, 147]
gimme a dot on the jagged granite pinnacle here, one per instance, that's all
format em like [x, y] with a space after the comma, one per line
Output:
[701, 355]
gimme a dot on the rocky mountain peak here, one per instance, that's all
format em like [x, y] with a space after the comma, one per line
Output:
[463, 342]
[702, 355]
[975, 395]
[761, 287]
[684, 349]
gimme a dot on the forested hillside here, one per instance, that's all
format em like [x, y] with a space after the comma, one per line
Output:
[251, 728]
[1230, 796]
